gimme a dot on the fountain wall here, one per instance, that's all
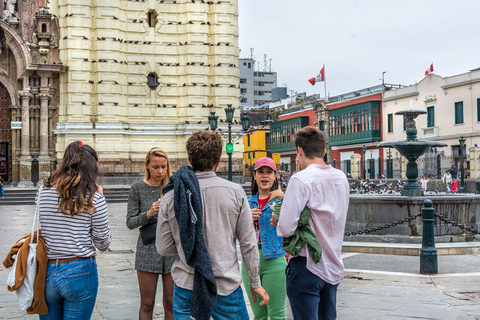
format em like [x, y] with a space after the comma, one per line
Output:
[368, 211]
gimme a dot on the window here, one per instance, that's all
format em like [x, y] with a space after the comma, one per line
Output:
[478, 109]
[390, 122]
[152, 18]
[243, 100]
[249, 65]
[44, 28]
[321, 125]
[248, 140]
[243, 80]
[152, 81]
[458, 112]
[431, 116]
[243, 90]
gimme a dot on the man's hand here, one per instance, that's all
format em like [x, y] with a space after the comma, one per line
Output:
[263, 294]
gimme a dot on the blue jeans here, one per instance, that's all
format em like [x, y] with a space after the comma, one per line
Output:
[227, 307]
[2, 191]
[308, 294]
[71, 289]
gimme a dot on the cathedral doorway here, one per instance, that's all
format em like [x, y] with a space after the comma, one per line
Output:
[5, 134]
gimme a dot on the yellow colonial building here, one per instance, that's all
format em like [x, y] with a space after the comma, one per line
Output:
[257, 145]
[134, 75]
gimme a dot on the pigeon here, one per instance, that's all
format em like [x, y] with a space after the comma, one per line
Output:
[83, 103]
[100, 103]
[64, 37]
[115, 103]
[100, 81]
[116, 82]
[86, 59]
[187, 122]
[174, 106]
[190, 105]
[90, 81]
[130, 83]
[190, 22]
[115, 18]
[134, 20]
[184, 85]
[85, 38]
[115, 60]
[199, 122]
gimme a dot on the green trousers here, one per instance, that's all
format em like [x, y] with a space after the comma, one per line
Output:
[272, 276]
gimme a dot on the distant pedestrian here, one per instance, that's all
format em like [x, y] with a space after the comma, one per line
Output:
[454, 185]
[2, 190]
[453, 173]
[201, 218]
[73, 222]
[312, 287]
[424, 183]
[447, 180]
[142, 210]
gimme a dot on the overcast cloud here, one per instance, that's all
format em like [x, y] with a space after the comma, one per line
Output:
[357, 40]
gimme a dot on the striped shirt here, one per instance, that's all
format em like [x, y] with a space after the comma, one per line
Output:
[66, 236]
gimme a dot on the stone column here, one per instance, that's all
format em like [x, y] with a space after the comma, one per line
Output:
[44, 98]
[44, 158]
[474, 162]
[356, 166]
[25, 158]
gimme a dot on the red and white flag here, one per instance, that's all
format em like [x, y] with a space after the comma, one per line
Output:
[429, 70]
[319, 78]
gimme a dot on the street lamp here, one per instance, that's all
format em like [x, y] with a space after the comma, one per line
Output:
[462, 169]
[364, 150]
[213, 121]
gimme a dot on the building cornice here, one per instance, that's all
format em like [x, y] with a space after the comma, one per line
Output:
[402, 95]
[460, 83]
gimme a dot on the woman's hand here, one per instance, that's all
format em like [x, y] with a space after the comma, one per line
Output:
[99, 189]
[256, 213]
[277, 194]
[153, 209]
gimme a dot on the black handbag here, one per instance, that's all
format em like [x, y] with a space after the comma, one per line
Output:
[148, 233]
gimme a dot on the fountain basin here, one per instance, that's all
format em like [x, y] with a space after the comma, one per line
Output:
[368, 211]
[412, 149]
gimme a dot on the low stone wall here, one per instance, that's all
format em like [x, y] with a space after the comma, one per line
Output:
[368, 211]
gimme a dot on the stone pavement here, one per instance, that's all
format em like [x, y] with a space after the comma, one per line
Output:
[374, 286]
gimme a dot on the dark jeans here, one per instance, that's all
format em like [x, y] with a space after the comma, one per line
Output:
[310, 297]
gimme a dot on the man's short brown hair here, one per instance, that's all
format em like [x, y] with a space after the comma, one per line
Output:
[204, 148]
[312, 141]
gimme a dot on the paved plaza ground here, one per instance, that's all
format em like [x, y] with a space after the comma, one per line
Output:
[374, 286]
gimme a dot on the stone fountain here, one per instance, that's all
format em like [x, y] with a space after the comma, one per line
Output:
[380, 210]
[412, 149]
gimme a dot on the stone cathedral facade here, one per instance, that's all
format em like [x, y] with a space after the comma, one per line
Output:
[123, 76]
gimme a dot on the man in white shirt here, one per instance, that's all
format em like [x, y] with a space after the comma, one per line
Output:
[312, 287]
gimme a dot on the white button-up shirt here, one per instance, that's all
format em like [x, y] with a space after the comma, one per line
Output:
[325, 191]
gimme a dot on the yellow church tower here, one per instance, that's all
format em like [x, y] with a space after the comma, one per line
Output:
[145, 73]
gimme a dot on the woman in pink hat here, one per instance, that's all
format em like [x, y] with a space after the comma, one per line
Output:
[265, 192]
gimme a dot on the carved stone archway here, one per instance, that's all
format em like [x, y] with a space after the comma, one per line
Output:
[18, 47]
[10, 89]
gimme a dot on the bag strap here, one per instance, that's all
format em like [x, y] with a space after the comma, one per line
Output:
[36, 216]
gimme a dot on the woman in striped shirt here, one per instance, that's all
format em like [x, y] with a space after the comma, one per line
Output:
[73, 222]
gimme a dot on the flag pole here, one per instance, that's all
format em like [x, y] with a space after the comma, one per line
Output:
[325, 82]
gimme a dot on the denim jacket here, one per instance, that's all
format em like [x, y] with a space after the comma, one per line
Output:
[271, 243]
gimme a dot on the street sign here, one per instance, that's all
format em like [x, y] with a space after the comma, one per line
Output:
[229, 147]
[16, 125]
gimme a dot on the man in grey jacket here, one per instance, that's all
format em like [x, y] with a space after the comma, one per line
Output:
[226, 217]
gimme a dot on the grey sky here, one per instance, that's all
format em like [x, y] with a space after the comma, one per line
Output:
[357, 40]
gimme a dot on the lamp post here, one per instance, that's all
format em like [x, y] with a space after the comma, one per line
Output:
[213, 121]
[364, 150]
[462, 169]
